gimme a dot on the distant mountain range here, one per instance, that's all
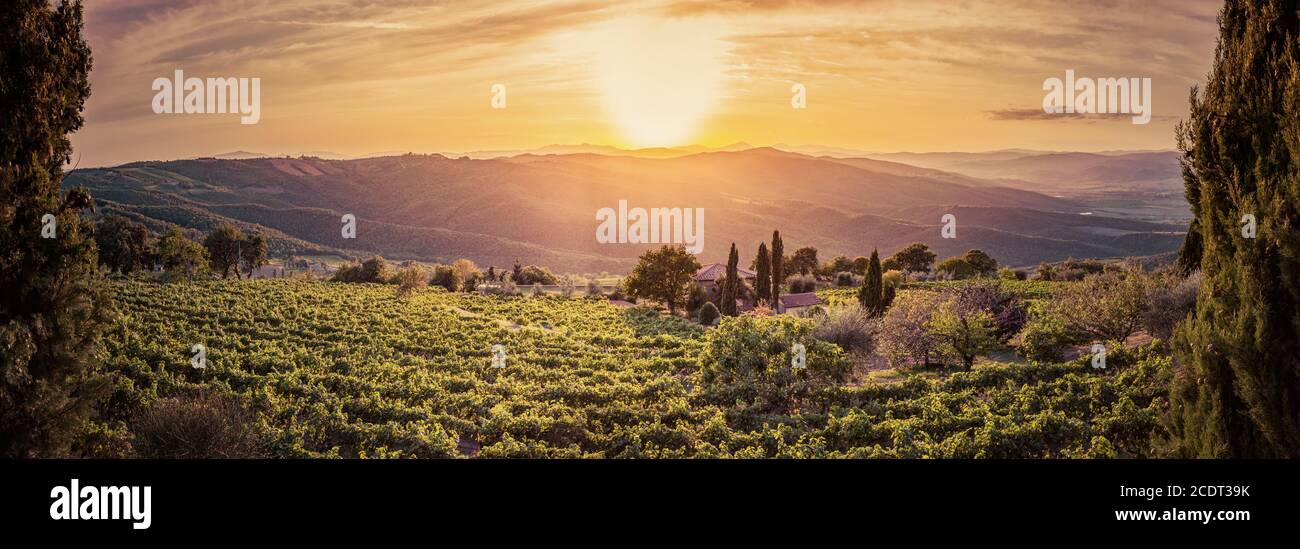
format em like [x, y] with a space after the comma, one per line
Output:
[539, 207]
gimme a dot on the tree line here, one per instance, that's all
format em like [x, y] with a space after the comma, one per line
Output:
[126, 246]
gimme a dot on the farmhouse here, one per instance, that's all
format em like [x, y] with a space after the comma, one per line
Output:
[710, 275]
[793, 303]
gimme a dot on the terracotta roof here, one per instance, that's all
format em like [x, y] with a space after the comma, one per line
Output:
[714, 271]
[800, 300]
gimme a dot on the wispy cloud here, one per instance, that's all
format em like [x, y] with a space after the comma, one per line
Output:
[357, 76]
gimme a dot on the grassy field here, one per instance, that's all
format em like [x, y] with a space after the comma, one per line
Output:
[351, 370]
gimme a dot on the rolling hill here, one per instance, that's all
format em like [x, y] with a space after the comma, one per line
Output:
[540, 208]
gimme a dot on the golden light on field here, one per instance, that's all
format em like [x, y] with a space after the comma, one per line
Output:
[659, 78]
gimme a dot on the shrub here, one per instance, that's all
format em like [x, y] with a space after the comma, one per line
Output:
[593, 288]
[538, 291]
[411, 280]
[198, 426]
[374, 269]
[965, 332]
[708, 313]
[955, 268]
[533, 274]
[845, 278]
[904, 330]
[696, 297]
[802, 284]
[1045, 337]
[749, 359]
[850, 327]
[447, 277]
[892, 278]
[1007, 312]
[1172, 300]
[568, 285]
[1110, 305]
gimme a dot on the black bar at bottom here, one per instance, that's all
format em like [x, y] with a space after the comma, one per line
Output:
[556, 500]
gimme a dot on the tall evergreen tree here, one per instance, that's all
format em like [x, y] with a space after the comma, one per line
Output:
[54, 301]
[872, 294]
[763, 278]
[778, 268]
[731, 286]
[1237, 393]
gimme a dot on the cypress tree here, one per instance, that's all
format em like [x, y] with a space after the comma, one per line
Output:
[730, 287]
[54, 301]
[872, 294]
[1237, 393]
[778, 268]
[763, 279]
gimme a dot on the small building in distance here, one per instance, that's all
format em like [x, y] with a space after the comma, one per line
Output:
[709, 275]
[269, 271]
[794, 303]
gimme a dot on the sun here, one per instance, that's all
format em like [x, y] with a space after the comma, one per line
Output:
[659, 78]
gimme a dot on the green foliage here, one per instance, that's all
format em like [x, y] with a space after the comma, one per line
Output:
[696, 297]
[1046, 272]
[198, 426]
[53, 299]
[327, 370]
[849, 327]
[411, 280]
[982, 263]
[1045, 336]
[181, 258]
[730, 289]
[231, 249]
[872, 296]
[965, 332]
[252, 253]
[840, 264]
[123, 244]
[956, 268]
[800, 284]
[534, 274]
[1111, 305]
[915, 258]
[763, 275]
[662, 275]
[803, 262]
[374, 270]
[1238, 393]
[708, 314]
[860, 265]
[224, 245]
[778, 266]
[447, 278]
[749, 358]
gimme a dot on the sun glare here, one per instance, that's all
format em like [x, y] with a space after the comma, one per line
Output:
[658, 78]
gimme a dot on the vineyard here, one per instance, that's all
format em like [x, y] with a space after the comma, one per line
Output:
[352, 370]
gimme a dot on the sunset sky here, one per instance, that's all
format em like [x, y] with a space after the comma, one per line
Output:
[359, 78]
